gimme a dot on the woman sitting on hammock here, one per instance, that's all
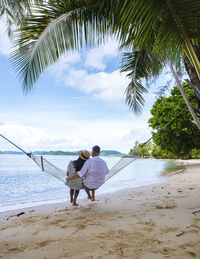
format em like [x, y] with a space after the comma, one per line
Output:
[76, 184]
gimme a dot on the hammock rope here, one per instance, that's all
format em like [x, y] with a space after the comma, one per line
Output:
[28, 154]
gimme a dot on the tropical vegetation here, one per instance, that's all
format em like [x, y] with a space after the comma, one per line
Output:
[172, 138]
[152, 150]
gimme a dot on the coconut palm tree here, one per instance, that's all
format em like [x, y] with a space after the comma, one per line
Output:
[163, 28]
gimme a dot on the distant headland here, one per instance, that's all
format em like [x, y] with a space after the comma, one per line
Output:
[64, 153]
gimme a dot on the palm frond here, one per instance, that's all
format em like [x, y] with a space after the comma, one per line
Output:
[141, 20]
[57, 29]
[134, 96]
[17, 10]
[142, 64]
[139, 65]
[14, 13]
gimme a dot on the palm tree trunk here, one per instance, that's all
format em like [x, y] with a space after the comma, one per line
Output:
[190, 49]
[191, 69]
[194, 116]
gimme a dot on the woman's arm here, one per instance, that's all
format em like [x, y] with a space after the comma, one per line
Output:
[69, 169]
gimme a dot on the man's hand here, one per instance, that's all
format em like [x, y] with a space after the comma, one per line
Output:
[72, 177]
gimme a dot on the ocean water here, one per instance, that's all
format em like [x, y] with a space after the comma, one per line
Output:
[23, 184]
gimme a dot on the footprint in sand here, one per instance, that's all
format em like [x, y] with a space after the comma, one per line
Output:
[35, 233]
[29, 220]
[120, 249]
[188, 247]
[168, 229]
[59, 221]
[193, 254]
[197, 221]
[64, 226]
[45, 243]
[147, 223]
[167, 251]
[165, 207]
[188, 250]
[85, 209]
[152, 256]
[20, 248]
[193, 228]
[80, 226]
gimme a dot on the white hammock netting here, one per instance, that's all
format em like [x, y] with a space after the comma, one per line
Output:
[60, 174]
[122, 163]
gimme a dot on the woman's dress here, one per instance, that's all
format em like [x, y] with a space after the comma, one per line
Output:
[76, 183]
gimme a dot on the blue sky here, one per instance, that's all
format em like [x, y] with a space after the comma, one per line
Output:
[76, 103]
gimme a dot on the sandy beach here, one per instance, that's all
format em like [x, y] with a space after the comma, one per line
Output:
[155, 221]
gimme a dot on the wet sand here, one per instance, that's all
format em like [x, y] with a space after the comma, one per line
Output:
[156, 221]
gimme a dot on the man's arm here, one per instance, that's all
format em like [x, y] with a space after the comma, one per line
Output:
[80, 173]
[72, 177]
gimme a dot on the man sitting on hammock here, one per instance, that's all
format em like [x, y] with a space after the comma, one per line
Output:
[93, 172]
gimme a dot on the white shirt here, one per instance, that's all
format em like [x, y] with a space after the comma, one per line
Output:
[94, 171]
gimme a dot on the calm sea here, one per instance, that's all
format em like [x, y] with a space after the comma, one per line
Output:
[23, 184]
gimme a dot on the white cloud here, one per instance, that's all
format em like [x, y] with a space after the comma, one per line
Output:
[64, 64]
[31, 138]
[95, 57]
[106, 86]
[141, 132]
[5, 44]
[118, 134]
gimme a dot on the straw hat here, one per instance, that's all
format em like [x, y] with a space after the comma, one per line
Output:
[84, 154]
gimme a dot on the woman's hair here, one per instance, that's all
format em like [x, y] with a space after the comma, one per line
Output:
[78, 164]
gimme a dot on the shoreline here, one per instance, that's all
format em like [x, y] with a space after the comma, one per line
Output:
[27, 203]
[154, 221]
[53, 205]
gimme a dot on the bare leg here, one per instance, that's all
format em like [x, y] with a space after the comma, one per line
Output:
[88, 193]
[93, 195]
[75, 197]
[71, 195]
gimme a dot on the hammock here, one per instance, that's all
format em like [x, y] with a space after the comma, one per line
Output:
[60, 174]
